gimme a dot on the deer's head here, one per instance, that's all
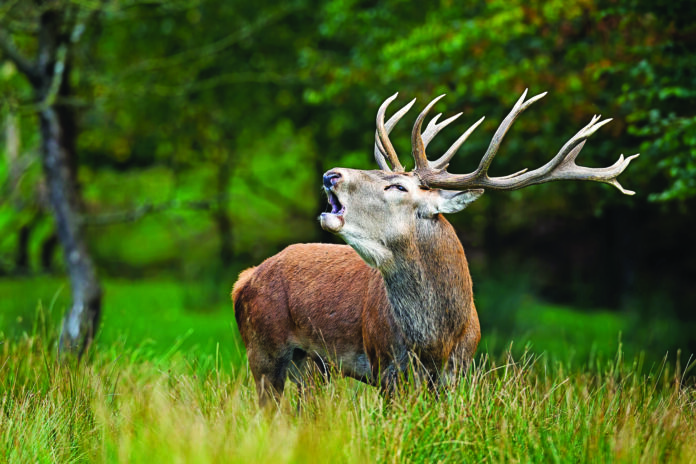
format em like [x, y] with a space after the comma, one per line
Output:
[380, 211]
[377, 212]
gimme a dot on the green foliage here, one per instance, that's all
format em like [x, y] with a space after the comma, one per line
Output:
[192, 89]
[659, 88]
[627, 59]
[204, 127]
[513, 319]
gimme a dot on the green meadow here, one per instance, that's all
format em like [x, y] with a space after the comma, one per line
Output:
[166, 381]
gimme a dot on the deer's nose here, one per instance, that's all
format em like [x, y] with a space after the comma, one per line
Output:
[331, 178]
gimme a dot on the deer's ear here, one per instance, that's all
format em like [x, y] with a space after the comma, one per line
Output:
[453, 201]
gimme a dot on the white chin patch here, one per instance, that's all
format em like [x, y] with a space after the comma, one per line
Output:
[373, 253]
[331, 222]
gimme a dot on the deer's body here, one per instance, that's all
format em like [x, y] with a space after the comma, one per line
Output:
[308, 301]
[401, 294]
[323, 303]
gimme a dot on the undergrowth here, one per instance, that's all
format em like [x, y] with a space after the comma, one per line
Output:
[118, 407]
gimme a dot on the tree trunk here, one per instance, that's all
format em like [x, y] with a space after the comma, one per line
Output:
[81, 321]
[58, 136]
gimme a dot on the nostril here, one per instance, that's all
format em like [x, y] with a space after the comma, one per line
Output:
[331, 178]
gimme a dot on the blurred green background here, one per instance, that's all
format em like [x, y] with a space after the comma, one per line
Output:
[203, 128]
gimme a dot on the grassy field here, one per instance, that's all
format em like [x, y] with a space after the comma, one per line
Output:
[151, 319]
[166, 382]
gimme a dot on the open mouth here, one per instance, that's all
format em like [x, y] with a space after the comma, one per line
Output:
[333, 220]
[336, 206]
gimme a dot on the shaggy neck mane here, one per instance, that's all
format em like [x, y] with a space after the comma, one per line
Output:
[428, 288]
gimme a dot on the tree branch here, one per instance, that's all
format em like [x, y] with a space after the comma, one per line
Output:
[25, 66]
[186, 57]
[61, 54]
[145, 209]
[218, 81]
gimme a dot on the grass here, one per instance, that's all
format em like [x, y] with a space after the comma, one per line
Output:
[166, 382]
[115, 410]
[151, 318]
[158, 317]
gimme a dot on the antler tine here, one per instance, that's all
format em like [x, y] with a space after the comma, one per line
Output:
[396, 117]
[433, 127]
[379, 148]
[443, 161]
[383, 146]
[568, 152]
[379, 156]
[519, 107]
[417, 143]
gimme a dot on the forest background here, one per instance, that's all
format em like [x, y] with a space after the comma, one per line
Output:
[195, 133]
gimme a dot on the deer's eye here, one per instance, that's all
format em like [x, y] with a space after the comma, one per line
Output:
[399, 187]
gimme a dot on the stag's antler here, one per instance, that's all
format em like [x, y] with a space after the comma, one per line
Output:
[433, 173]
[383, 147]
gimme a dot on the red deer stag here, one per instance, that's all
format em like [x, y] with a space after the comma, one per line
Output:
[401, 290]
